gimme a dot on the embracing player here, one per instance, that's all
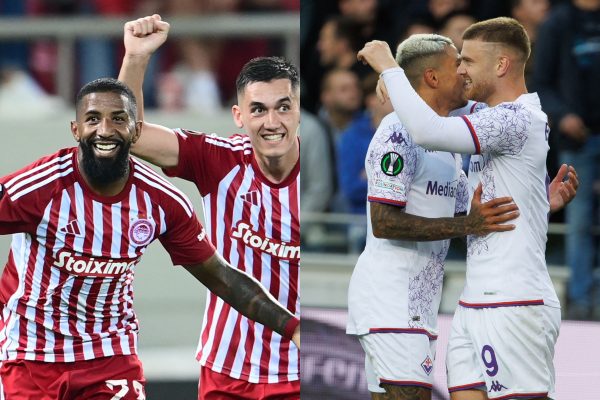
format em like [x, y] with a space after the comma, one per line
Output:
[250, 188]
[81, 219]
[505, 328]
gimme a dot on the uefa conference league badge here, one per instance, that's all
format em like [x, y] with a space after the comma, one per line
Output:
[392, 163]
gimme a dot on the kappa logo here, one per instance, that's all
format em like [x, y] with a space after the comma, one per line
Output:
[497, 387]
[252, 197]
[427, 365]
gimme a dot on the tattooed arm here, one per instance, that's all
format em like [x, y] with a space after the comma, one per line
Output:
[391, 222]
[246, 295]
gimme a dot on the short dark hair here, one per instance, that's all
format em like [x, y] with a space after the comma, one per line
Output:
[266, 69]
[504, 30]
[104, 85]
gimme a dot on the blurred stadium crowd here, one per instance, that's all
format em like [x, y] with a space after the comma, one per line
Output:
[341, 112]
[184, 68]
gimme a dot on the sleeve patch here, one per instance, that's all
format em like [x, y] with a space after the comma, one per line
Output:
[392, 163]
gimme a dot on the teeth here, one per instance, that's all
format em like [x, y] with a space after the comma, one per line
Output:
[105, 147]
[278, 136]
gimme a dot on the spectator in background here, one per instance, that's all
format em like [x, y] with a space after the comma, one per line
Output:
[351, 152]
[531, 14]
[567, 78]
[454, 25]
[416, 26]
[339, 41]
[316, 179]
[341, 100]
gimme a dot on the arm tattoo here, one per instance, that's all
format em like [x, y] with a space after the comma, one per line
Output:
[242, 292]
[391, 222]
[406, 392]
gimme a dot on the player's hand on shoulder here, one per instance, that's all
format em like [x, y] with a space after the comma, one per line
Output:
[378, 55]
[381, 91]
[561, 191]
[492, 215]
[144, 35]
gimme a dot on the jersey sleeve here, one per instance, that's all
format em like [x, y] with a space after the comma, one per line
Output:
[203, 159]
[500, 130]
[391, 163]
[24, 194]
[429, 130]
[185, 239]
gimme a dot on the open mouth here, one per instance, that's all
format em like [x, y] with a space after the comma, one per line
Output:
[273, 137]
[105, 148]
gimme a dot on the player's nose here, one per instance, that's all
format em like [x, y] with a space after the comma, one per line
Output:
[105, 127]
[272, 121]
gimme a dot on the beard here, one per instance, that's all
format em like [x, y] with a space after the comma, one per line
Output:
[480, 92]
[104, 171]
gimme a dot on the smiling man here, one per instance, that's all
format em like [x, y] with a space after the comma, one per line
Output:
[506, 325]
[250, 188]
[81, 219]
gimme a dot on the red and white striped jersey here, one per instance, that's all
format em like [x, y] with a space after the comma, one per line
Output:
[67, 286]
[255, 225]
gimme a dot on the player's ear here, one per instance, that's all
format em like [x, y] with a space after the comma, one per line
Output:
[237, 116]
[138, 131]
[75, 131]
[502, 66]
[430, 77]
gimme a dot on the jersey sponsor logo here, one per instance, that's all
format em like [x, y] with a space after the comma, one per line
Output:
[269, 246]
[427, 365]
[91, 266]
[387, 185]
[392, 163]
[437, 189]
[141, 232]
[475, 166]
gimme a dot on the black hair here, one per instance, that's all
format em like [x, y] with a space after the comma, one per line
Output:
[104, 85]
[266, 69]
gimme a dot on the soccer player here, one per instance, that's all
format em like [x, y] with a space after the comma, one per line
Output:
[250, 188]
[506, 325]
[413, 195]
[81, 219]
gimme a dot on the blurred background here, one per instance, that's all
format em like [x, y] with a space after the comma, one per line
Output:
[50, 48]
[339, 117]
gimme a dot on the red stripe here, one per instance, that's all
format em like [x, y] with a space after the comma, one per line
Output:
[473, 134]
[466, 387]
[473, 107]
[406, 383]
[386, 201]
[235, 344]
[503, 304]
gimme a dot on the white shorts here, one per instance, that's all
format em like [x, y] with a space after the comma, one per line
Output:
[506, 351]
[403, 359]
